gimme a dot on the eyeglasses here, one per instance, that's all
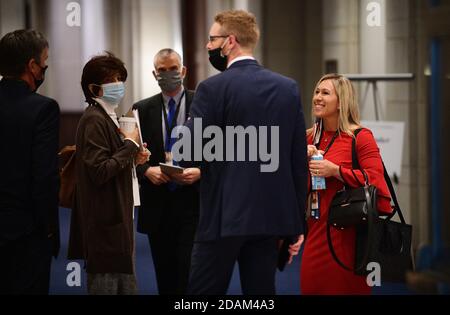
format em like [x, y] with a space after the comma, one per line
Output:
[214, 37]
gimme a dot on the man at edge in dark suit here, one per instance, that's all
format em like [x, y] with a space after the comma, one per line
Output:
[246, 206]
[169, 210]
[29, 126]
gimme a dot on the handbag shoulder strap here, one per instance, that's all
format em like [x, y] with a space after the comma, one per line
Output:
[387, 178]
[355, 162]
[394, 197]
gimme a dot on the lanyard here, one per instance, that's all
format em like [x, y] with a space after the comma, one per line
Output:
[314, 206]
[330, 144]
[169, 128]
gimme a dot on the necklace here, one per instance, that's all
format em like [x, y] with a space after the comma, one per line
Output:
[327, 137]
[327, 142]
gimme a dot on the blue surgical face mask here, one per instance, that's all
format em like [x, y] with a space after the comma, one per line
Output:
[113, 93]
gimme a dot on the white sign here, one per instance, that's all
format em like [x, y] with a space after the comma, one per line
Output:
[389, 136]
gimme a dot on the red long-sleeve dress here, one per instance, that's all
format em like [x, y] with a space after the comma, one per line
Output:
[320, 273]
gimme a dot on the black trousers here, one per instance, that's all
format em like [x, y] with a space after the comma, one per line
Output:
[25, 266]
[213, 263]
[172, 246]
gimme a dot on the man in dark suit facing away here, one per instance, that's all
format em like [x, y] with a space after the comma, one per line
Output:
[29, 126]
[247, 203]
[169, 205]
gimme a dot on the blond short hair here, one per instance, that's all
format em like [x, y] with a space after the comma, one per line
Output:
[348, 104]
[241, 24]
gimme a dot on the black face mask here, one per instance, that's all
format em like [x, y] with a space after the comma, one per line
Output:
[39, 82]
[217, 60]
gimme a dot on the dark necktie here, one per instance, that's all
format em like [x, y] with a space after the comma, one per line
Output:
[170, 119]
[169, 140]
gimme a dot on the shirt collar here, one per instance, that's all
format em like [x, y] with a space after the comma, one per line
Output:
[176, 98]
[110, 110]
[240, 59]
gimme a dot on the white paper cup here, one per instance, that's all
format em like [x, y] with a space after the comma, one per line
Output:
[127, 124]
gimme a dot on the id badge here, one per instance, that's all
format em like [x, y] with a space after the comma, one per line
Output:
[315, 210]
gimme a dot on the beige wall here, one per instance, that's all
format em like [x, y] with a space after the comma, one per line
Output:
[293, 44]
[398, 103]
[341, 34]
[12, 15]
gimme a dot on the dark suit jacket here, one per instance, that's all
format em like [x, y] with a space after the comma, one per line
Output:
[102, 225]
[236, 198]
[154, 198]
[29, 180]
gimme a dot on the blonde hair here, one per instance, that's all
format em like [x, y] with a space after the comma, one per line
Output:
[347, 98]
[241, 24]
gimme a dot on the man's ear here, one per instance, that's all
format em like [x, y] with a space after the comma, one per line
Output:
[155, 75]
[31, 66]
[233, 40]
[183, 72]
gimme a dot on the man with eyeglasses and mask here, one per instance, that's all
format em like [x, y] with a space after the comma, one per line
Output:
[245, 210]
[29, 126]
[169, 203]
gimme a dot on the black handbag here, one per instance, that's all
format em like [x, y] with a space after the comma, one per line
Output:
[378, 240]
[350, 207]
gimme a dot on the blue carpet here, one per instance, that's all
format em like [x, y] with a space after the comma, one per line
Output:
[287, 282]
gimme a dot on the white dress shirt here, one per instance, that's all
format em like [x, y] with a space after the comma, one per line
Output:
[240, 59]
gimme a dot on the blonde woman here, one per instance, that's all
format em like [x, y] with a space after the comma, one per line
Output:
[336, 113]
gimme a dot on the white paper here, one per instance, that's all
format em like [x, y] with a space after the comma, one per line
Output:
[138, 122]
[136, 194]
[389, 136]
[171, 169]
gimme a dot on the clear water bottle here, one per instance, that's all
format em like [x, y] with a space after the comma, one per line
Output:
[318, 182]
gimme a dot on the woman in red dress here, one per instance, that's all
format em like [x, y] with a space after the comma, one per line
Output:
[336, 110]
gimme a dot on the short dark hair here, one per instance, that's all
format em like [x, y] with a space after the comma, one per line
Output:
[18, 48]
[99, 70]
